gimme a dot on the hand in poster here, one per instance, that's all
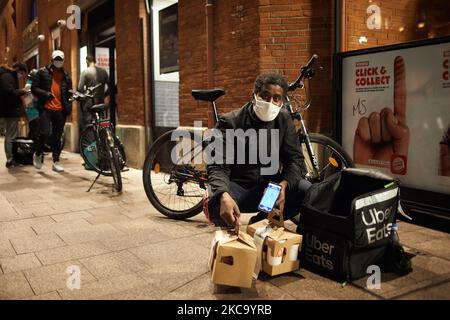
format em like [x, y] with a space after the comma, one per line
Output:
[385, 134]
[444, 159]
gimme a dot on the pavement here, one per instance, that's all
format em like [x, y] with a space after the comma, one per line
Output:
[125, 249]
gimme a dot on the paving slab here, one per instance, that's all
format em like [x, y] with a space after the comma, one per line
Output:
[19, 263]
[14, 286]
[36, 243]
[126, 249]
[71, 252]
[103, 287]
[51, 278]
[113, 264]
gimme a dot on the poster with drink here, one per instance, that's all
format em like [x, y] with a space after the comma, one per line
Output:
[396, 114]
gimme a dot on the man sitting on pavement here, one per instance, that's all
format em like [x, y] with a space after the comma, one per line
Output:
[238, 187]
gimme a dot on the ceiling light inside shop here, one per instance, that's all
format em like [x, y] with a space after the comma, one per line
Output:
[401, 29]
[362, 39]
[420, 25]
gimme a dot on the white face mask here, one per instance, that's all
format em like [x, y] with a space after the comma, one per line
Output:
[58, 64]
[265, 111]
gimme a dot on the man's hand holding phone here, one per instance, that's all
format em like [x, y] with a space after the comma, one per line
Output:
[279, 205]
[229, 210]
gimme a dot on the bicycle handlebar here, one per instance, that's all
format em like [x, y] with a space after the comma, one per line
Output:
[305, 72]
[76, 95]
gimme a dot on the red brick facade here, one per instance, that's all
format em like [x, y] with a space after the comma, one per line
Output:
[252, 37]
[130, 68]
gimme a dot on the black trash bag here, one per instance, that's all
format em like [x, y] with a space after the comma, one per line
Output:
[23, 150]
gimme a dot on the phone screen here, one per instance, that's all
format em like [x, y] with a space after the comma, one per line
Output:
[270, 197]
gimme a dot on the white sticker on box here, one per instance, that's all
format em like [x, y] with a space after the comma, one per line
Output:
[259, 237]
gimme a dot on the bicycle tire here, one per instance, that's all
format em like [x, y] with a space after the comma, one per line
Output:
[113, 157]
[329, 143]
[149, 188]
[86, 138]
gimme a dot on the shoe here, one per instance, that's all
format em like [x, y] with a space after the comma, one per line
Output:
[37, 161]
[260, 216]
[12, 164]
[57, 167]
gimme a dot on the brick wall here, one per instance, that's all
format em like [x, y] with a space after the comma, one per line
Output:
[8, 33]
[130, 98]
[291, 31]
[252, 37]
[192, 57]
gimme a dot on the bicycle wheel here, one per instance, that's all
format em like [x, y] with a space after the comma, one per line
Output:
[113, 156]
[175, 188]
[89, 151]
[331, 157]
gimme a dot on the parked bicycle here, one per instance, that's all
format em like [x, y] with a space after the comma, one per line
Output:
[100, 148]
[177, 190]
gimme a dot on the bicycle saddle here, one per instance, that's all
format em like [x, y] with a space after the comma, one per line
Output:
[208, 95]
[99, 107]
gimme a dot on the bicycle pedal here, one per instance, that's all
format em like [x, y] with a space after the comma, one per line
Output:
[125, 170]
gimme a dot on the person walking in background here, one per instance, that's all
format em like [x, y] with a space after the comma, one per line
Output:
[11, 108]
[31, 111]
[91, 77]
[51, 86]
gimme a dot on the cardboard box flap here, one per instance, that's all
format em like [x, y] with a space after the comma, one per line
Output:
[247, 239]
[219, 236]
[278, 234]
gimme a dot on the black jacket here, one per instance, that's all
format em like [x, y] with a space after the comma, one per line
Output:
[42, 86]
[10, 102]
[247, 175]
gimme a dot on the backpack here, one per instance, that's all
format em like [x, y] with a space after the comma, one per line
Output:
[23, 150]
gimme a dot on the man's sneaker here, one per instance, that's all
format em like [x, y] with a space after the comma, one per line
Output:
[12, 164]
[38, 160]
[57, 167]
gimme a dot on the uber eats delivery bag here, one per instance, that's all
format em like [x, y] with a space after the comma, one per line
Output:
[346, 222]
[23, 150]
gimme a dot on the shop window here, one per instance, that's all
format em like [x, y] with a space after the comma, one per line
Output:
[372, 23]
[165, 55]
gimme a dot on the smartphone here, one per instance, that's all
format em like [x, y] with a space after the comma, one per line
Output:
[270, 197]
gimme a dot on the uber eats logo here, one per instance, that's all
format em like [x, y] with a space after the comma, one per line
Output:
[377, 222]
[318, 252]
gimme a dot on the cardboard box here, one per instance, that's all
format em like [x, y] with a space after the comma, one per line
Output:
[278, 248]
[232, 259]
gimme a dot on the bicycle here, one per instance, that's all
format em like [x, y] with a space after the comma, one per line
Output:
[100, 148]
[185, 184]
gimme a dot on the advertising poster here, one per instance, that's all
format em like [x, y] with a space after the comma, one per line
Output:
[396, 114]
[102, 57]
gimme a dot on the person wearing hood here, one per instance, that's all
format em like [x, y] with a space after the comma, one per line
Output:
[264, 129]
[51, 86]
[11, 105]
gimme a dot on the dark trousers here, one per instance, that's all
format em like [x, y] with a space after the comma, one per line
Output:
[51, 123]
[248, 200]
[12, 130]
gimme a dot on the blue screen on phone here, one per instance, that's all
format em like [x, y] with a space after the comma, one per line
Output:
[270, 197]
